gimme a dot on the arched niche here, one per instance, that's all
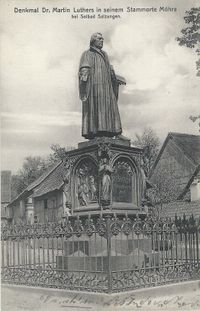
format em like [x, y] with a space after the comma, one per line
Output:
[124, 182]
[85, 184]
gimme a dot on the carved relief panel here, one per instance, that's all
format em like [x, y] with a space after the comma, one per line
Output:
[86, 183]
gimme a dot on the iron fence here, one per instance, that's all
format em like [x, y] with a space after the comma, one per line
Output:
[103, 254]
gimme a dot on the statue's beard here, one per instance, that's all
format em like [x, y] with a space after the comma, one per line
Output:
[97, 47]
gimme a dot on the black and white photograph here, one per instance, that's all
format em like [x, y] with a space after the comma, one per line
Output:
[100, 155]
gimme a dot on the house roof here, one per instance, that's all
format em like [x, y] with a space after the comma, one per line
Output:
[38, 181]
[52, 182]
[45, 178]
[180, 208]
[5, 186]
[189, 144]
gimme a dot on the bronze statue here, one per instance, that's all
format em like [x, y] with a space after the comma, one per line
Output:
[98, 89]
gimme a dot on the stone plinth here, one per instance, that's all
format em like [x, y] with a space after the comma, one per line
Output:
[91, 254]
[100, 263]
[87, 246]
[120, 140]
[104, 174]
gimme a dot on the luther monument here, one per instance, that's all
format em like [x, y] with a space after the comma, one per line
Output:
[103, 175]
[98, 90]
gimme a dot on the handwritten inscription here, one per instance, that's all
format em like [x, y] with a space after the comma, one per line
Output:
[177, 301]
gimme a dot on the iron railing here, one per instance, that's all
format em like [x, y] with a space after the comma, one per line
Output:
[103, 254]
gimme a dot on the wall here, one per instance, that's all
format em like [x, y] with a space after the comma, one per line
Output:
[19, 211]
[49, 207]
[195, 190]
[180, 208]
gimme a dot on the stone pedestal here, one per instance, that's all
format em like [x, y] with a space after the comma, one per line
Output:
[91, 254]
[103, 175]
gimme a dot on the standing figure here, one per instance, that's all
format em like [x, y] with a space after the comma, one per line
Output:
[93, 189]
[105, 171]
[82, 188]
[98, 90]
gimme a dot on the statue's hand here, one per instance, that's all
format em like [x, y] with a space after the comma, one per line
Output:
[84, 73]
[84, 82]
[116, 78]
[120, 80]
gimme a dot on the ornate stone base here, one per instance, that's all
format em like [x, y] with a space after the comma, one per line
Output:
[118, 140]
[104, 174]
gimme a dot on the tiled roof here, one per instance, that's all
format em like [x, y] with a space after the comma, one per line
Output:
[190, 145]
[42, 177]
[5, 186]
[37, 182]
[180, 208]
[187, 143]
[52, 182]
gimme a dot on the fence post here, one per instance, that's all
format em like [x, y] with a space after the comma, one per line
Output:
[108, 237]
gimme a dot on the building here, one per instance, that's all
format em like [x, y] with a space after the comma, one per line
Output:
[180, 208]
[5, 195]
[43, 199]
[179, 162]
[176, 172]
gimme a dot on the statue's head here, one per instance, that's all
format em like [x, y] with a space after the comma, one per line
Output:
[96, 40]
[105, 160]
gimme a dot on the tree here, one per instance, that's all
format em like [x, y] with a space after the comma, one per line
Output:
[58, 153]
[191, 34]
[151, 143]
[34, 167]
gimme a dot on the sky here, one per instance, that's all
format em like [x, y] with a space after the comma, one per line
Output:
[40, 55]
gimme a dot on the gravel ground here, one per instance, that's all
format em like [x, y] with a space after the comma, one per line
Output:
[15, 299]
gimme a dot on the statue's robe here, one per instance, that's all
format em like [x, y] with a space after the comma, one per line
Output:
[98, 89]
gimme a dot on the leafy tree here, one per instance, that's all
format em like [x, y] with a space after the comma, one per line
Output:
[191, 34]
[34, 167]
[151, 143]
[58, 153]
